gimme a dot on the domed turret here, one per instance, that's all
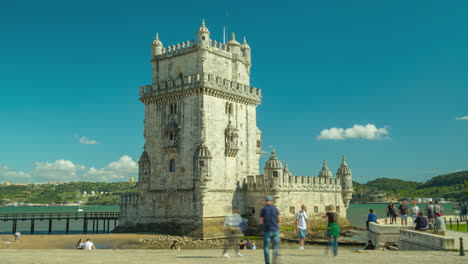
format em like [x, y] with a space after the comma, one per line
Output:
[273, 163]
[234, 45]
[203, 152]
[203, 35]
[246, 51]
[157, 46]
[325, 172]
[346, 177]
[343, 169]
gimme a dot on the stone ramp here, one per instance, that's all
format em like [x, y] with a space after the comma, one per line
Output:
[313, 254]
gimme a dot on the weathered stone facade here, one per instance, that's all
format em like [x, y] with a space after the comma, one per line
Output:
[202, 146]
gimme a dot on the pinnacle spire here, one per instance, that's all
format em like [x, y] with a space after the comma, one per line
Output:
[233, 36]
[203, 28]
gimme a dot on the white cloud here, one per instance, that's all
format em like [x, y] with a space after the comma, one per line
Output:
[122, 169]
[462, 118]
[86, 141]
[369, 132]
[65, 170]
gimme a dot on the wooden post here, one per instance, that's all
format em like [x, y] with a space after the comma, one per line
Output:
[115, 223]
[97, 225]
[458, 225]
[108, 225]
[32, 226]
[14, 226]
[85, 224]
[94, 225]
[67, 226]
[50, 225]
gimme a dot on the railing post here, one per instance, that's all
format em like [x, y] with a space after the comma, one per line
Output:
[462, 249]
[32, 226]
[67, 226]
[14, 226]
[50, 224]
[458, 226]
[450, 223]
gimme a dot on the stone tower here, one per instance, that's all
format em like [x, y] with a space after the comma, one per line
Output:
[346, 177]
[201, 136]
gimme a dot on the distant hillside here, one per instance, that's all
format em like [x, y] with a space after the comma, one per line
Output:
[448, 186]
[66, 192]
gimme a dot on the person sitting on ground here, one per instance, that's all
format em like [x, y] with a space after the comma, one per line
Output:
[248, 244]
[254, 247]
[242, 244]
[174, 245]
[370, 245]
[371, 218]
[440, 224]
[421, 222]
[89, 245]
[80, 244]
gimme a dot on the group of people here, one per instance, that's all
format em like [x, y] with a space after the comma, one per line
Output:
[248, 244]
[434, 213]
[270, 218]
[88, 245]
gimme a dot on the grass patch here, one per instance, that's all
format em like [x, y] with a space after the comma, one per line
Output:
[461, 228]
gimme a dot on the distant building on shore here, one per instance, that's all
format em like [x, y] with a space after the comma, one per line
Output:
[202, 147]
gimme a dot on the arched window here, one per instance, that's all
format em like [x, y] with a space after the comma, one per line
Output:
[172, 165]
[173, 109]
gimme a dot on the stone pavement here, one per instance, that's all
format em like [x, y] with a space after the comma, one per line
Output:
[312, 254]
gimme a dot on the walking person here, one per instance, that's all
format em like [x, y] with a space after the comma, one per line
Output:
[461, 208]
[430, 214]
[464, 210]
[393, 214]
[403, 213]
[232, 228]
[270, 219]
[302, 225]
[414, 210]
[389, 208]
[333, 229]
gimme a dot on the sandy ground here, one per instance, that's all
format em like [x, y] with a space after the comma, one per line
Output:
[312, 254]
[102, 241]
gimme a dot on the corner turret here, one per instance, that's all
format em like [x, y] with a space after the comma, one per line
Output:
[346, 177]
[156, 46]
[273, 170]
[203, 35]
[234, 45]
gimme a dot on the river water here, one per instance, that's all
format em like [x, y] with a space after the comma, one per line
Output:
[357, 216]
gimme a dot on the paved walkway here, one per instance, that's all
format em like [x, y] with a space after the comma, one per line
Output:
[312, 254]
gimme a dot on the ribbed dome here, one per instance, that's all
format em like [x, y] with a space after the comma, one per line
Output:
[203, 28]
[273, 162]
[156, 41]
[344, 169]
[233, 40]
[325, 172]
[202, 152]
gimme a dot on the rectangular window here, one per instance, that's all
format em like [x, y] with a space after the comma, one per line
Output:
[259, 144]
[292, 210]
[202, 163]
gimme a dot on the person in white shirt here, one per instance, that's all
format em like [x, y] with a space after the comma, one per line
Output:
[302, 225]
[414, 210]
[89, 245]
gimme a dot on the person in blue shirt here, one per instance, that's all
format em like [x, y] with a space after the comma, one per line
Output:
[371, 218]
[270, 218]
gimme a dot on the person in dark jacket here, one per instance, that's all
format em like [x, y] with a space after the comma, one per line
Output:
[421, 222]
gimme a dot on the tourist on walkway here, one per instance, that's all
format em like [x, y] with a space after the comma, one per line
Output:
[80, 244]
[430, 214]
[414, 210]
[89, 245]
[421, 222]
[461, 207]
[371, 218]
[393, 214]
[440, 224]
[232, 229]
[403, 213]
[17, 235]
[389, 208]
[333, 229]
[302, 225]
[270, 218]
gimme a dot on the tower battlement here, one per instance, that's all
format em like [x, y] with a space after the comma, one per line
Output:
[221, 87]
[292, 183]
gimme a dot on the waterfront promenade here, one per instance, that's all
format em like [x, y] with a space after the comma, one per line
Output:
[312, 254]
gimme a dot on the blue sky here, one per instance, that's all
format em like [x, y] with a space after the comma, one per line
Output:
[70, 73]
